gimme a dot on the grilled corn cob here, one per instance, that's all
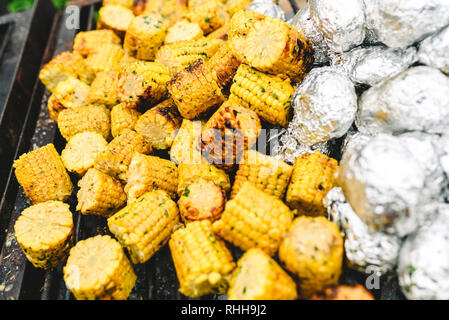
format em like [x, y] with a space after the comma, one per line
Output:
[269, 96]
[145, 35]
[148, 173]
[184, 146]
[191, 172]
[127, 59]
[94, 118]
[114, 17]
[115, 160]
[202, 261]
[211, 15]
[183, 31]
[86, 42]
[145, 225]
[259, 277]
[312, 178]
[220, 33]
[99, 194]
[44, 231]
[313, 251]
[344, 292]
[241, 23]
[172, 10]
[42, 175]
[81, 150]
[179, 55]
[106, 57]
[123, 117]
[159, 125]
[102, 90]
[142, 84]
[97, 268]
[224, 65]
[254, 219]
[232, 6]
[124, 3]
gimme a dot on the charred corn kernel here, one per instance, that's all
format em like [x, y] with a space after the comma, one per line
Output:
[271, 45]
[62, 67]
[202, 261]
[115, 159]
[191, 172]
[42, 175]
[81, 150]
[94, 118]
[223, 65]
[254, 219]
[211, 15]
[86, 42]
[220, 33]
[344, 292]
[97, 268]
[312, 178]
[269, 96]
[179, 55]
[313, 251]
[184, 146]
[159, 125]
[125, 3]
[259, 277]
[266, 173]
[232, 6]
[194, 91]
[114, 17]
[142, 84]
[145, 225]
[145, 35]
[123, 117]
[105, 58]
[44, 231]
[148, 173]
[102, 90]
[182, 31]
[99, 194]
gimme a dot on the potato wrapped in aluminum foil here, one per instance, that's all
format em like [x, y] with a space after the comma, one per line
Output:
[363, 248]
[267, 8]
[354, 139]
[433, 51]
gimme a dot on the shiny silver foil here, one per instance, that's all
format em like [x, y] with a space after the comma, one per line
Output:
[434, 51]
[354, 139]
[423, 267]
[400, 23]
[383, 183]
[415, 100]
[342, 22]
[442, 147]
[267, 8]
[372, 65]
[363, 247]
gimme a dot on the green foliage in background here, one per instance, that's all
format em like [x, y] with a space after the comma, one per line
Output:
[19, 5]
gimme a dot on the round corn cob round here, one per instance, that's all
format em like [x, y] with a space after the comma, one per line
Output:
[172, 10]
[106, 57]
[102, 89]
[344, 292]
[124, 3]
[183, 31]
[97, 268]
[122, 118]
[210, 15]
[184, 146]
[44, 231]
[114, 17]
[191, 172]
[86, 42]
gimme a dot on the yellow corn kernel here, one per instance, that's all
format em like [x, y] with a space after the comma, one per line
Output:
[232, 6]
[42, 175]
[116, 18]
[145, 225]
[224, 65]
[211, 15]
[184, 146]
[191, 172]
[254, 219]
[124, 3]
[183, 31]
[106, 57]
[123, 117]
[97, 268]
[102, 90]
[87, 42]
[44, 231]
[220, 33]
[202, 261]
[172, 10]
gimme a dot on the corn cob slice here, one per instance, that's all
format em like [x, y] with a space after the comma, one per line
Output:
[184, 146]
[241, 23]
[81, 150]
[142, 84]
[44, 231]
[183, 31]
[99, 194]
[145, 225]
[123, 117]
[94, 118]
[126, 60]
[173, 10]
[220, 33]
[145, 35]
[254, 219]
[148, 173]
[116, 18]
[159, 125]
[102, 90]
[105, 58]
[313, 251]
[124, 3]
[312, 178]
[269, 96]
[202, 261]
[211, 15]
[115, 160]
[194, 91]
[62, 67]
[224, 65]
[190, 172]
[97, 268]
[42, 175]
[259, 277]
[266, 173]
[179, 55]
[233, 6]
[344, 292]
[86, 42]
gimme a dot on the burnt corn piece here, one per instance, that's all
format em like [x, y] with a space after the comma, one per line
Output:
[210, 15]
[87, 42]
[185, 145]
[103, 89]
[122, 118]
[223, 65]
[116, 18]
[191, 172]
[183, 30]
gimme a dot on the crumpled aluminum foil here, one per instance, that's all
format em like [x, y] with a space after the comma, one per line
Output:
[415, 100]
[354, 139]
[423, 267]
[267, 8]
[442, 147]
[400, 23]
[342, 22]
[372, 65]
[383, 183]
[433, 51]
[363, 248]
